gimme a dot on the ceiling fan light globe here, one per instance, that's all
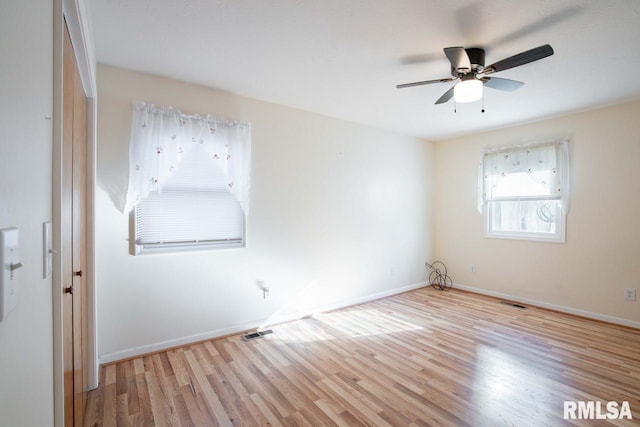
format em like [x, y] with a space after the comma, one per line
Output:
[468, 90]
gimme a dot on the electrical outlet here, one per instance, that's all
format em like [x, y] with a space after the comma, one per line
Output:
[630, 294]
[472, 269]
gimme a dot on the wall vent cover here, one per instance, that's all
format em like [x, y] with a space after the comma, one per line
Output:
[257, 334]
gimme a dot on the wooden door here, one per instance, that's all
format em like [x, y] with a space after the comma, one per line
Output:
[74, 154]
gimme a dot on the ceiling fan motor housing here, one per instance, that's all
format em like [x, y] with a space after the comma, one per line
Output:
[476, 58]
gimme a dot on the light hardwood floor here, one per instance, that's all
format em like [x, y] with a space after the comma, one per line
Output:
[424, 357]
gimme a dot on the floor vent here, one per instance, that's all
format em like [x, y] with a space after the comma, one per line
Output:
[257, 334]
[512, 304]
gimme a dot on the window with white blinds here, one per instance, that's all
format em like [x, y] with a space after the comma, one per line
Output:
[193, 209]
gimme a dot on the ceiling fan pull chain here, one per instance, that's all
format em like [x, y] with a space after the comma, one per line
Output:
[482, 104]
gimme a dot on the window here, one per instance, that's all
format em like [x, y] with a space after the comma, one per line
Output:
[188, 180]
[194, 208]
[524, 191]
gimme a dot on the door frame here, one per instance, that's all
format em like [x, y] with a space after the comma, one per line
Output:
[78, 21]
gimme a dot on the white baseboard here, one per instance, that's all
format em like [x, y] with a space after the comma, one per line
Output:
[176, 342]
[542, 304]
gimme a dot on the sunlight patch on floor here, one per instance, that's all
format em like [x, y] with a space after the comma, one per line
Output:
[350, 323]
[504, 386]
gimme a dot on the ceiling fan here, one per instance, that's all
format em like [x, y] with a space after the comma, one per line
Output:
[467, 66]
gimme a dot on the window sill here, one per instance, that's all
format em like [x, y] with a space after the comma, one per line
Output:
[526, 237]
[177, 248]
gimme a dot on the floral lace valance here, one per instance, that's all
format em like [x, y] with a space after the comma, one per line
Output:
[160, 136]
[534, 170]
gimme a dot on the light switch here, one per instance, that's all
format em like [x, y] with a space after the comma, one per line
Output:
[10, 264]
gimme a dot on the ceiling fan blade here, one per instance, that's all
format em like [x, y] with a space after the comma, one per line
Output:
[520, 59]
[426, 82]
[446, 96]
[502, 84]
[458, 58]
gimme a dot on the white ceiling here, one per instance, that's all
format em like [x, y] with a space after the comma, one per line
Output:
[343, 58]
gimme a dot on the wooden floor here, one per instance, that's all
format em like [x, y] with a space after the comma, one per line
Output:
[421, 358]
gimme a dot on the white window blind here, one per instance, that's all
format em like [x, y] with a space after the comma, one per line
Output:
[194, 208]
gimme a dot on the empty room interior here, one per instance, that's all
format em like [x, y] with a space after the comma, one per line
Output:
[305, 213]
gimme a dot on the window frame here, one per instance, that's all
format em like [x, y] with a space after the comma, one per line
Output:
[558, 237]
[212, 199]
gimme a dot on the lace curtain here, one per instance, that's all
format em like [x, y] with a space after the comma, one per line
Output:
[527, 171]
[160, 136]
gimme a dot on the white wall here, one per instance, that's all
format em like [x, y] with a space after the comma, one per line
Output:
[601, 257]
[26, 354]
[339, 212]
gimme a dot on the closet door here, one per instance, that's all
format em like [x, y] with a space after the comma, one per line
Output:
[74, 193]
